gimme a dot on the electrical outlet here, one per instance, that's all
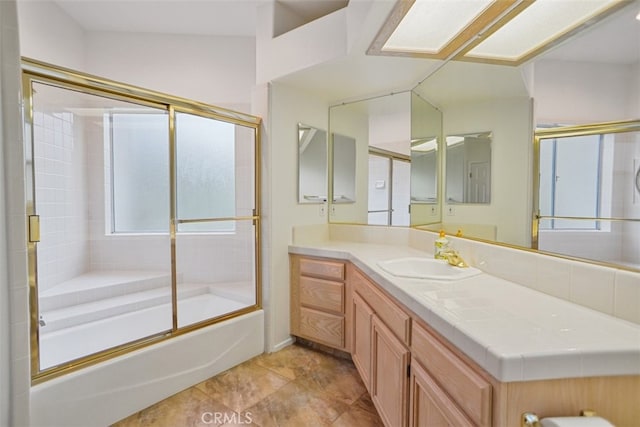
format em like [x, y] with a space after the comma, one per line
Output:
[323, 210]
[451, 211]
[434, 211]
[332, 212]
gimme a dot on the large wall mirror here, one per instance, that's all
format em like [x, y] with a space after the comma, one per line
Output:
[312, 164]
[592, 77]
[396, 162]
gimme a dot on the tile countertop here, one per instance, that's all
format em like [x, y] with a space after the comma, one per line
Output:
[513, 332]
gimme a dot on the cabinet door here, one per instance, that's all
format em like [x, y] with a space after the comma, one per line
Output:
[389, 379]
[361, 333]
[429, 404]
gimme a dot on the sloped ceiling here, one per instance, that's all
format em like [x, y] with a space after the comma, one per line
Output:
[355, 75]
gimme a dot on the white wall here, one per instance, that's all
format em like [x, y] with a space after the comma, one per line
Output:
[14, 314]
[568, 92]
[214, 70]
[511, 151]
[321, 40]
[48, 34]
[284, 107]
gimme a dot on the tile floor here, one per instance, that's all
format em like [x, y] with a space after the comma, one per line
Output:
[297, 386]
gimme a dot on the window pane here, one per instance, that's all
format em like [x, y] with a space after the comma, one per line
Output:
[140, 172]
[577, 180]
[206, 181]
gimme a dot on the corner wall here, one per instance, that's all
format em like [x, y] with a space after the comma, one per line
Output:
[284, 109]
[14, 313]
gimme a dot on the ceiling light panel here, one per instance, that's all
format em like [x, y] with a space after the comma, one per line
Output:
[536, 27]
[430, 25]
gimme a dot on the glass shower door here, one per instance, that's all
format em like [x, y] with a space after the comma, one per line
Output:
[215, 231]
[100, 268]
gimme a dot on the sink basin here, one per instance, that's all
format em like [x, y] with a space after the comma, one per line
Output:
[426, 268]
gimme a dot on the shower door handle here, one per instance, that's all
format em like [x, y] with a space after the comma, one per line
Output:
[34, 228]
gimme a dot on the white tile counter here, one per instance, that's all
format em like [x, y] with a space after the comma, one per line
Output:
[513, 332]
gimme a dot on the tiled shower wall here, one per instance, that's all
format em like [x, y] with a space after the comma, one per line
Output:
[60, 191]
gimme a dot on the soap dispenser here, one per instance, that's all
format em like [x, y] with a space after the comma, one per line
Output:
[441, 246]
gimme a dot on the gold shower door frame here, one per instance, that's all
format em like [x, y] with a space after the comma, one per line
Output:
[39, 72]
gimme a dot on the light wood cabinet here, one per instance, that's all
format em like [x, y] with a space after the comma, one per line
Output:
[335, 304]
[389, 368]
[362, 316]
[381, 332]
[468, 390]
[430, 406]
[319, 301]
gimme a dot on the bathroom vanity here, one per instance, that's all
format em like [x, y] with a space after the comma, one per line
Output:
[479, 351]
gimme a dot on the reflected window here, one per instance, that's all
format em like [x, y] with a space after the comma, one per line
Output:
[575, 181]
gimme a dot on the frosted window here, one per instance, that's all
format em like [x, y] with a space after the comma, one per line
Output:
[140, 172]
[205, 160]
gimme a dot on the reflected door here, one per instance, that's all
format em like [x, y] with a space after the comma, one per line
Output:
[389, 190]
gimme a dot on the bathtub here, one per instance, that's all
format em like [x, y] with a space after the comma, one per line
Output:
[71, 343]
[104, 393]
[104, 309]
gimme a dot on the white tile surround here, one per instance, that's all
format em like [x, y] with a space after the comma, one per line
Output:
[529, 317]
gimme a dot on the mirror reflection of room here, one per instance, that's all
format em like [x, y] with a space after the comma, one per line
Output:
[469, 168]
[344, 171]
[393, 131]
[312, 164]
[587, 206]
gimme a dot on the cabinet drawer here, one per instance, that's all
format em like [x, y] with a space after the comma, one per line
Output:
[323, 327]
[322, 268]
[392, 315]
[322, 294]
[469, 390]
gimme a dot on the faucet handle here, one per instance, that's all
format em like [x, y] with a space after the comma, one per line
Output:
[453, 258]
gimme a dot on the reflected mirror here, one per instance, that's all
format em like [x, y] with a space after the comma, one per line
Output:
[344, 169]
[468, 171]
[312, 164]
[424, 170]
[390, 189]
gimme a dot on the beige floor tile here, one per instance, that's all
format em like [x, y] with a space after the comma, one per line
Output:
[294, 405]
[189, 408]
[243, 386]
[293, 387]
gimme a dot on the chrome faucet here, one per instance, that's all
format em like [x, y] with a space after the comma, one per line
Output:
[453, 258]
